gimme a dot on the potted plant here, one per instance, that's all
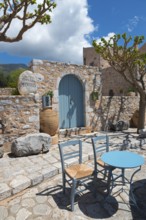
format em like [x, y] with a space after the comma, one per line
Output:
[50, 94]
[47, 99]
[131, 91]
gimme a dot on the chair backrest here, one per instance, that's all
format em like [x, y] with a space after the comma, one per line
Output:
[71, 149]
[100, 145]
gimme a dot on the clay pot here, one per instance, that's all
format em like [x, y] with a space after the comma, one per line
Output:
[49, 121]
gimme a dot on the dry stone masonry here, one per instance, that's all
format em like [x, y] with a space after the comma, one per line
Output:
[52, 73]
[20, 115]
[1, 149]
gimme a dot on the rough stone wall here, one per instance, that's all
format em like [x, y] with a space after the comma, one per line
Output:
[53, 72]
[91, 58]
[112, 80]
[6, 91]
[19, 115]
[96, 113]
[114, 109]
[143, 48]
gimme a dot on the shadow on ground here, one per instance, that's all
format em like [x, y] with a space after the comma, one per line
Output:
[90, 204]
[139, 190]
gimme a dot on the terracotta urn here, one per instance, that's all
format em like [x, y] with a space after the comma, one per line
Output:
[49, 121]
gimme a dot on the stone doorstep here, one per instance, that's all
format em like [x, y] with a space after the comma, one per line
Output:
[73, 131]
[5, 191]
[22, 182]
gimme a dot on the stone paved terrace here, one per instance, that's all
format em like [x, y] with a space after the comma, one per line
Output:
[30, 187]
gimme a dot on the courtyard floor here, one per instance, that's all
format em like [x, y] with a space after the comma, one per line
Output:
[31, 188]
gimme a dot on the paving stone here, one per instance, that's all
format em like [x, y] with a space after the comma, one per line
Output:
[42, 209]
[5, 191]
[41, 199]
[10, 218]
[14, 201]
[19, 183]
[49, 172]
[51, 202]
[35, 178]
[28, 202]
[46, 201]
[58, 214]
[3, 213]
[58, 166]
[15, 208]
[39, 218]
[31, 193]
[33, 169]
[23, 214]
[50, 159]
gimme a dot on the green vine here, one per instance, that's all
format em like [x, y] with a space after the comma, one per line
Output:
[94, 96]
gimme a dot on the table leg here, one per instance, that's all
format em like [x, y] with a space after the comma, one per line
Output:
[131, 195]
[109, 182]
[123, 176]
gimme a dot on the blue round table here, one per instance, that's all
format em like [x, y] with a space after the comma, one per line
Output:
[123, 160]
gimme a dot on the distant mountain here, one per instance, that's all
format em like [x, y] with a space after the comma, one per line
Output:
[6, 69]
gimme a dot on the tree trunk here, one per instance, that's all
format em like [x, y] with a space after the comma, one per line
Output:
[142, 105]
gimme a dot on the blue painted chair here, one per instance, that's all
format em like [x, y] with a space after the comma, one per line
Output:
[101, 145]
[77, 173]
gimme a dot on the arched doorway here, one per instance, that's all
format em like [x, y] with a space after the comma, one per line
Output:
[71, 102]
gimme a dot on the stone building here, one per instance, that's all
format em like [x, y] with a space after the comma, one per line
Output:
[73, 87]
[111, 80]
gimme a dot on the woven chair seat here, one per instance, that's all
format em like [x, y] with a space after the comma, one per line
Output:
[78, 171]
[102, 164]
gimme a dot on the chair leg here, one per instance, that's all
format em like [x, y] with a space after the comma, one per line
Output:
[94, 184]
[64, 182]
[105, 174]
[74, 183]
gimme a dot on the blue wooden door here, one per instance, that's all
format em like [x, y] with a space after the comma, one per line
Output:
[71, 105]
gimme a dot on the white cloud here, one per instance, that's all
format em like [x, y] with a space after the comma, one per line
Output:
[62, 40]
[98, 40]
[133, 23]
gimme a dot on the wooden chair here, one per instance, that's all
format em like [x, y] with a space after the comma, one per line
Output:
[76, 174]
[101, 145]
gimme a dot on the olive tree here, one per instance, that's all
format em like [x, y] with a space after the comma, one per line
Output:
[27, 12]
[122, 53]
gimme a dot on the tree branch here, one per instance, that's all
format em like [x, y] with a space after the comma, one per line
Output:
[38, 15]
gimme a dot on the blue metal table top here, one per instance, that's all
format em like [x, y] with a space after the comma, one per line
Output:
[123, 159]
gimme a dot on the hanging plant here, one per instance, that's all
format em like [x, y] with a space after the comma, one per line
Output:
[94, 95]
[47, 99]
[50, 93]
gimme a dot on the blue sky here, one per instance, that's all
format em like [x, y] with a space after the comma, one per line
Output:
[118, 16]
[74, 25]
